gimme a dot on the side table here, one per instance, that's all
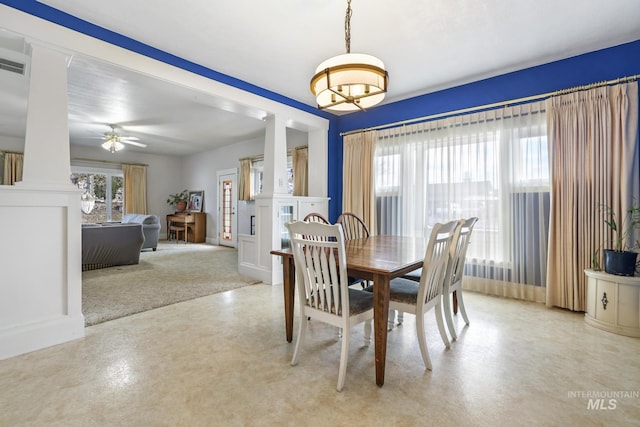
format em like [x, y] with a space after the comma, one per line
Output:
[613, 303]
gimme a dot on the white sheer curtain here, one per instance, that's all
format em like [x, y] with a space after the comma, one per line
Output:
[493, 165]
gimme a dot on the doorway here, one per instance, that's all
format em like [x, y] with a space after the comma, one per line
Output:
[227, 206]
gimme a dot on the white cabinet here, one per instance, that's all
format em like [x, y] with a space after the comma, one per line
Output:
[296, 208]
[613, 303]
[286, 212]
[309, 205]
[272, 213]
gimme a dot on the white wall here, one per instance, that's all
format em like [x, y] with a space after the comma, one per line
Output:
[41, 282]
[200, 173]
[11, 144]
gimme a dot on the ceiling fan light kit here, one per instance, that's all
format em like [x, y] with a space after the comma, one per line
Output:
[112, 145]
[351, 81]
[114, 142]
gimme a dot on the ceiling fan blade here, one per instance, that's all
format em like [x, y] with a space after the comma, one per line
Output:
[137, 144]
[129, 138]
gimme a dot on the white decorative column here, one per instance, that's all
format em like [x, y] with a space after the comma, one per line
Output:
[46, 148]
[275, 205]
[41, 286]
[274, 180]
[319, 152]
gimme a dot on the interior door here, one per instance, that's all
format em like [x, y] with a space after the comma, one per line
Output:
[227, 206]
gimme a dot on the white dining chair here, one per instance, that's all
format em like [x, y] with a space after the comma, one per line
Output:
[453, 278]
[354, 228]
[417, 298]
[323, 291]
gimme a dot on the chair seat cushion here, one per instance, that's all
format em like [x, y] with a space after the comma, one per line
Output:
[401, 290]
[354, 280]
[414, 275]
[360, 301]
[404, 291]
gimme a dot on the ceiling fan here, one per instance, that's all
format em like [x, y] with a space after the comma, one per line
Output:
[114, 142]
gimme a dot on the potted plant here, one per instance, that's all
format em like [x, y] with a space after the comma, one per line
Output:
[179, 200]
[620, 258]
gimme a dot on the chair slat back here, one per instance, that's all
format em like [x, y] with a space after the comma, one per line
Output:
[458, 252]
[353, 226]
[316, 217]
[436, 260]
[320, 262]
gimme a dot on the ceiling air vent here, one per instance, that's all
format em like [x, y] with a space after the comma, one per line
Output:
[14, 67]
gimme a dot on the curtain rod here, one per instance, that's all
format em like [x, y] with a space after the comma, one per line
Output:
[81, 159]
[261, 156]
[10, 152]
[496, 104]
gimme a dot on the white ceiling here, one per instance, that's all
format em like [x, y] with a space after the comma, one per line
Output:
[427, 45]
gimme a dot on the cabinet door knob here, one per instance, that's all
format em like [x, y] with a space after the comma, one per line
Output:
[604, 301]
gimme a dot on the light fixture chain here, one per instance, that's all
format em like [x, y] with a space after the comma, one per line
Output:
[347, 27]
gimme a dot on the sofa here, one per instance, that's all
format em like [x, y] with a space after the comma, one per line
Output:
[110, 244]
[150, 228]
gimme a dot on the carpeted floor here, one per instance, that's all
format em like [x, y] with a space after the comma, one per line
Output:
[174, 273]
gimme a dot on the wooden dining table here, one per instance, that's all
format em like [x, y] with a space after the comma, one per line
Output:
[376, 258]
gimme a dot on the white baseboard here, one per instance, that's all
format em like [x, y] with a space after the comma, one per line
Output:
[35, 336]
[255, 272]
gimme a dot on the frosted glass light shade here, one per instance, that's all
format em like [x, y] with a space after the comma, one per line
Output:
[112, 145]
[350, 82]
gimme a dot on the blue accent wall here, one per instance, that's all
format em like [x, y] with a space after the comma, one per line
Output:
[606, 64]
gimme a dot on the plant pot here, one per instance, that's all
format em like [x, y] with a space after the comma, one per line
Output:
[180, 206]
[620, 263]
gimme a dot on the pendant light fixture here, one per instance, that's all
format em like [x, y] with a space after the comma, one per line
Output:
[352, 81]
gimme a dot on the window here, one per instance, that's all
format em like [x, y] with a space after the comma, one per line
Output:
[257, 173]
[387, 169]
[103, 194]
[491, 165]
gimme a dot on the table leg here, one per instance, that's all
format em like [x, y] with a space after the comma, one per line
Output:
[455, 302]
[289, 284]
[380, 318]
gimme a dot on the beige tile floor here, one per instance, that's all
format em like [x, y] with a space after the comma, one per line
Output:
[222, 360]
